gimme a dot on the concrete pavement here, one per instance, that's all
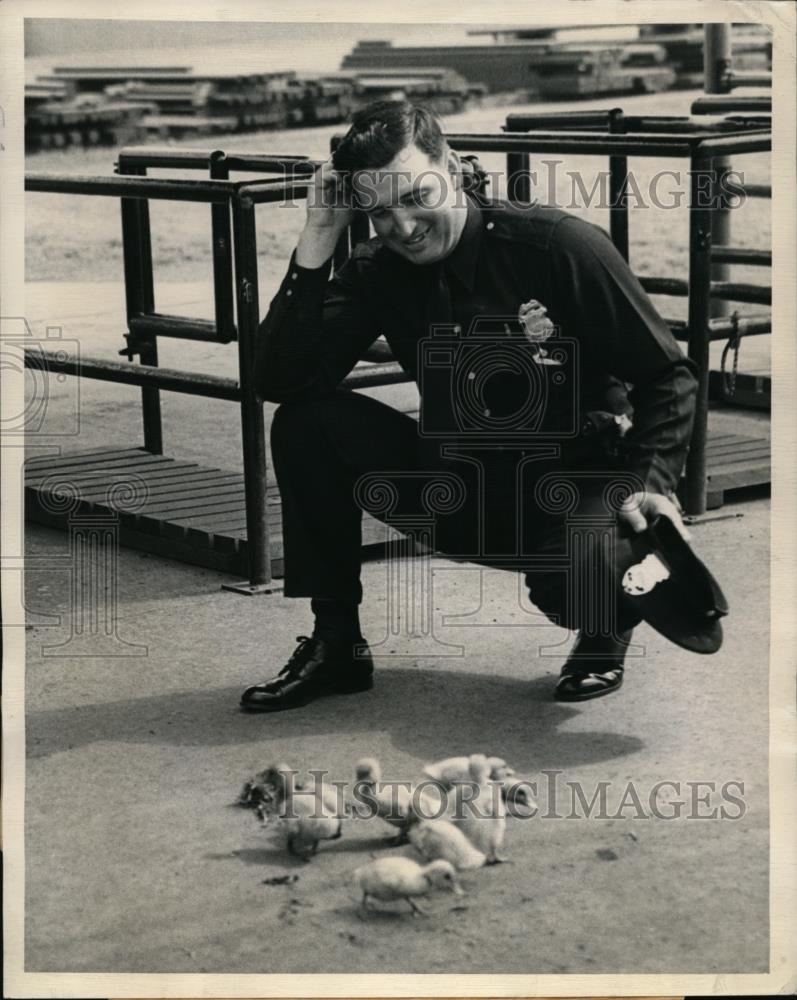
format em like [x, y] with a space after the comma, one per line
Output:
[136, 860]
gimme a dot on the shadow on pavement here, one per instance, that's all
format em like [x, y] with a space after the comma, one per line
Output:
[428, 713]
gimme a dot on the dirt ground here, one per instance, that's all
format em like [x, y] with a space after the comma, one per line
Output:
[138, 862]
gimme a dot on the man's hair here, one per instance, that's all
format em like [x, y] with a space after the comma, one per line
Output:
[381, 130]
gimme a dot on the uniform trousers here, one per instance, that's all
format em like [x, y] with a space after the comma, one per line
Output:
[524, 510]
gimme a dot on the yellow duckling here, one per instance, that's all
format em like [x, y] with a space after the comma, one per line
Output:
[389, 879]
[480, 810]
[439, 839]
[306, 815]
[455, 770]
[395, 803]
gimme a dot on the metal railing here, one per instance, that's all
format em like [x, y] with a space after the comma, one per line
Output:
[719, 80]
[236, 300]
[705, 144]
[720, 76]
[606, 132]
[236, 289]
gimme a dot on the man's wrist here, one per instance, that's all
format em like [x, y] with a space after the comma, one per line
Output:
[316, 246]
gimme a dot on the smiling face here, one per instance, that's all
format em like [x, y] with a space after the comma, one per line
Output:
[415, 204]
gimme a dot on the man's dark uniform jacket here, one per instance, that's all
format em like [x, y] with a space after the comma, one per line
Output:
[317, 329]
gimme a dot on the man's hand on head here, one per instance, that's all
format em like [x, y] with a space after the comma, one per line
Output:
[640, 508]
[329, 212]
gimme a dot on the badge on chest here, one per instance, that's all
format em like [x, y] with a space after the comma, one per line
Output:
[537, 327]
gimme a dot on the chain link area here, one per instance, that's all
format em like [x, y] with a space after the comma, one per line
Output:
[734, 342]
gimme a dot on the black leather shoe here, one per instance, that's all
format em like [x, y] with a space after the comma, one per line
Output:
[594, 667]
[315, 669]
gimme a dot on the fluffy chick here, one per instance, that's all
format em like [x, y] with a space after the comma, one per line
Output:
[454, 770]
[305, 815]
[397, 804]
[480, 810]
[260, 792]
[439, 839]
[388, 879]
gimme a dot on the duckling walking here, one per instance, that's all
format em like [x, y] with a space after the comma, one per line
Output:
[261, 790]
[453, 771]
[456, 770]
[480, 810]
[439, 839]
[395, 803]
[305, 815]
[389, 879]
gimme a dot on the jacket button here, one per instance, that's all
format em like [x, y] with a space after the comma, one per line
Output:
[289, 292]
[490, 225]
[457, 329]
[294, 276]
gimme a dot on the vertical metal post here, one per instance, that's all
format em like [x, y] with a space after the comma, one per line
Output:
[151, 400]
[222, 254]
[131, 253]
[700, 218]
[252, 422]
[518, 174]
[618, 189]
[721, 230]
[518, 177]
[140, 300]
[147, 278]
[358, 231]
[717, 55]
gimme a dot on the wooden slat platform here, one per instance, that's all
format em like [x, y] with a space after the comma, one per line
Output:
[752, 389]
[196, 514]
[180, 510]
[736, 461]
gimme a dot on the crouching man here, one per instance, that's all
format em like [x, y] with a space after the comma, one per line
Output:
[551, 391]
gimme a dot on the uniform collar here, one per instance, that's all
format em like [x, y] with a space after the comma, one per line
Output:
[461, 262]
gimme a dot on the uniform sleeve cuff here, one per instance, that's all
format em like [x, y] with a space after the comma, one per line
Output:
[657, 478]
[305, 278]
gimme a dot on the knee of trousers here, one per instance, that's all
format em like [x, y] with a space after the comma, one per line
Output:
[295, 420]
[585, 590]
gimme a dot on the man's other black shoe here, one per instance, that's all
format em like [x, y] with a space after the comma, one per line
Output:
[316, 668]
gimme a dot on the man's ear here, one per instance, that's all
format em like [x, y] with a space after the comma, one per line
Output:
[454, 166]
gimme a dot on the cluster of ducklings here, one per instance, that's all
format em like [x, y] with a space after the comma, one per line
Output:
[468, 836]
